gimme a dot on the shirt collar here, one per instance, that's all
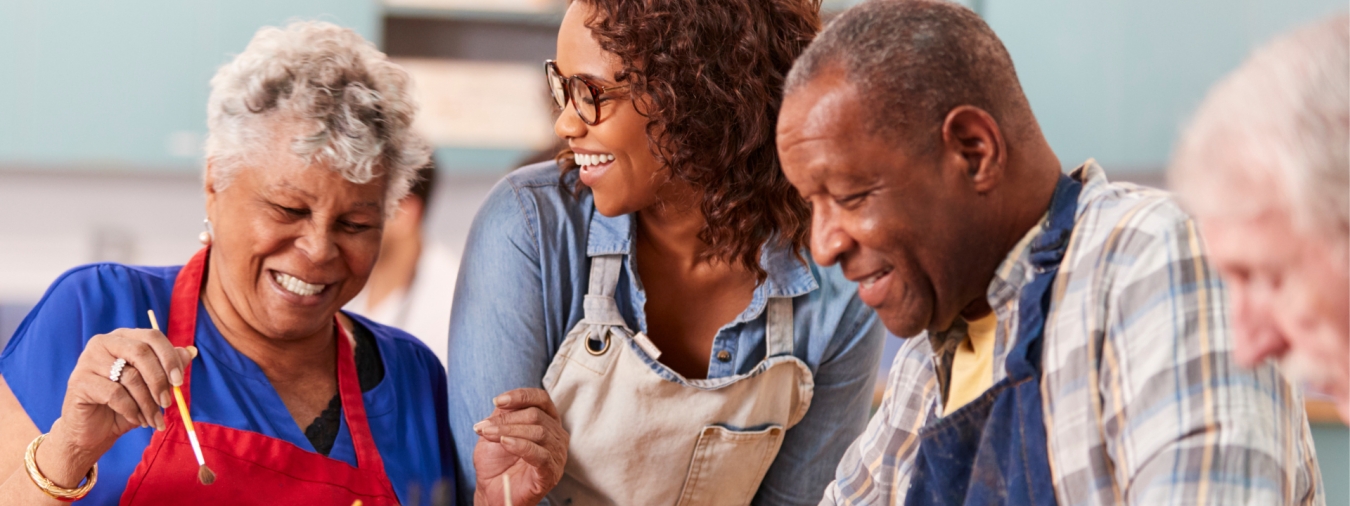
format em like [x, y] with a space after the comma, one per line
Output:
[609, 236]
[788, 276]
[1016, 271]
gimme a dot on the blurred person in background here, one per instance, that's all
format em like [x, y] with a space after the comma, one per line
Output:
[1264, 168]
[295, 401]
[413, 281]
[1066, 337]
[652, 279]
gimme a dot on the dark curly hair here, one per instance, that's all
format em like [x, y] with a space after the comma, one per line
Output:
[712, 72]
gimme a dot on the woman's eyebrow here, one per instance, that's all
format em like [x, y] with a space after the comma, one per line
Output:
[594, 79]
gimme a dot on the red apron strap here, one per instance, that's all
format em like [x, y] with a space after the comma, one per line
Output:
[182, 325]
[354, 407]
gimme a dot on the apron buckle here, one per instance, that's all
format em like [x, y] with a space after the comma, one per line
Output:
[603, 342]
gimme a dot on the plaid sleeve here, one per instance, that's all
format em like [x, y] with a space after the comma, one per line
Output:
[876, 467]
[1181, 422]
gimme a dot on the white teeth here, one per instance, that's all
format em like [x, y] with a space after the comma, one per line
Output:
[295, 286]
[587, 160]
[867, 283]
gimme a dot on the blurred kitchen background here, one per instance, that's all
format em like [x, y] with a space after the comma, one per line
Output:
[103, 110]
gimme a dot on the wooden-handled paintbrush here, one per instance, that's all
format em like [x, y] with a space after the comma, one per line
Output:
[204, 474]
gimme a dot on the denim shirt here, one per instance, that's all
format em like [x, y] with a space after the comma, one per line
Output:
[522, 283]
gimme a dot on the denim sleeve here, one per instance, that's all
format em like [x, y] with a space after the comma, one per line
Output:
[844, 383]
[498, 340]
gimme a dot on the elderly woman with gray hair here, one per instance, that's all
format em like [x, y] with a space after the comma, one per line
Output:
[294, 401]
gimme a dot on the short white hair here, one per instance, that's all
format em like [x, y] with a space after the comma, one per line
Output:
[357, 105]
[1280, 123]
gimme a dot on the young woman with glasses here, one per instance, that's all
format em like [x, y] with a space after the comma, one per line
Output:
[653, 280]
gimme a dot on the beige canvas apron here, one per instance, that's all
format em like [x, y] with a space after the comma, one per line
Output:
[644, 435]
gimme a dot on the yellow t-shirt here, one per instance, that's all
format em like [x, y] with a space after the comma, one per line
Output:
[973, 364]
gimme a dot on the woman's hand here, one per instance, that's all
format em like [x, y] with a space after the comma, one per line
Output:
[98, 410]
[523, 438]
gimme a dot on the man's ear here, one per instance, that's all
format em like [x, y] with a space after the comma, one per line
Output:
[972, 139]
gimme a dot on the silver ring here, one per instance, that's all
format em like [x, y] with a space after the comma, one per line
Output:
[116, 373]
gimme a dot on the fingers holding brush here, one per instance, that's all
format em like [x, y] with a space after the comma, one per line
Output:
[524, 442]
[158, 364]
[121, 381]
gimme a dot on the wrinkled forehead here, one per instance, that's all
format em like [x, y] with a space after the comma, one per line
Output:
[316, 182]
[824, 139]
[1263, 240]
[823, 106]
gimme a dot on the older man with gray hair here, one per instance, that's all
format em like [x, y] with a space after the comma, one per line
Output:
[1264, 169]
[1071, 345]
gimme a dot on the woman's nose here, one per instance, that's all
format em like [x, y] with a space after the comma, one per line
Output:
[569, 124]
[317, 244]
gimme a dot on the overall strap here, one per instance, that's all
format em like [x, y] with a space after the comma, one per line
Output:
[600, 307]
[1047, 251]
[778, 330]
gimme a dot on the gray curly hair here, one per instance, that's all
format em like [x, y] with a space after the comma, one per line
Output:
[356, 103]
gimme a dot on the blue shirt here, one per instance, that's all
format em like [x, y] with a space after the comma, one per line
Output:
[406, 410]
[522, 282]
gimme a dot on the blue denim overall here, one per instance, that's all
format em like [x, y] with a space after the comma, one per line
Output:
[993, 450]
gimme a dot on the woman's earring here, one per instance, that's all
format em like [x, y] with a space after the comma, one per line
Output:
[206, 235]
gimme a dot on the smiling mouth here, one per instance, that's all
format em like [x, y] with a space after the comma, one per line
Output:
[295, 285]
[871, 280]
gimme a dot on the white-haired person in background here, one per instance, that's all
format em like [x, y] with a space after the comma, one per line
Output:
[294, 401]
[1263, 167]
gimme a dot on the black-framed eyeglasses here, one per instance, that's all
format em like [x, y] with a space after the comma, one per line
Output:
[584, 95]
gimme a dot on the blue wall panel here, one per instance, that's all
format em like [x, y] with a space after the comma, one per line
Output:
[1117, 79]
[122, 83]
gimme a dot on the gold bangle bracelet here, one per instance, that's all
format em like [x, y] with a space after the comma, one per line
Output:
[51, 489]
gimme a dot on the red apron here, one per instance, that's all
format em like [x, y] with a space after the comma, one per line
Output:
[250, 467]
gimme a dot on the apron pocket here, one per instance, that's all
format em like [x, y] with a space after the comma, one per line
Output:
[729, 464]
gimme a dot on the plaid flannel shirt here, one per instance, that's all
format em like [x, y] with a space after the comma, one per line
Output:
[1143, 402]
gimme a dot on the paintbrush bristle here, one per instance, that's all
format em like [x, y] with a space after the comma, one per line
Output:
[205, 475]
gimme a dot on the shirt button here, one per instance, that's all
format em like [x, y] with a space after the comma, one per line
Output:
[724, 356]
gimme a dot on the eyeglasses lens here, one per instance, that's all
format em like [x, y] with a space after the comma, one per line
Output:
[583, 100]
[555, 86]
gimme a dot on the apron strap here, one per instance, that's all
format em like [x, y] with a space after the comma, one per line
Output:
[778, 331]
[600, 307]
